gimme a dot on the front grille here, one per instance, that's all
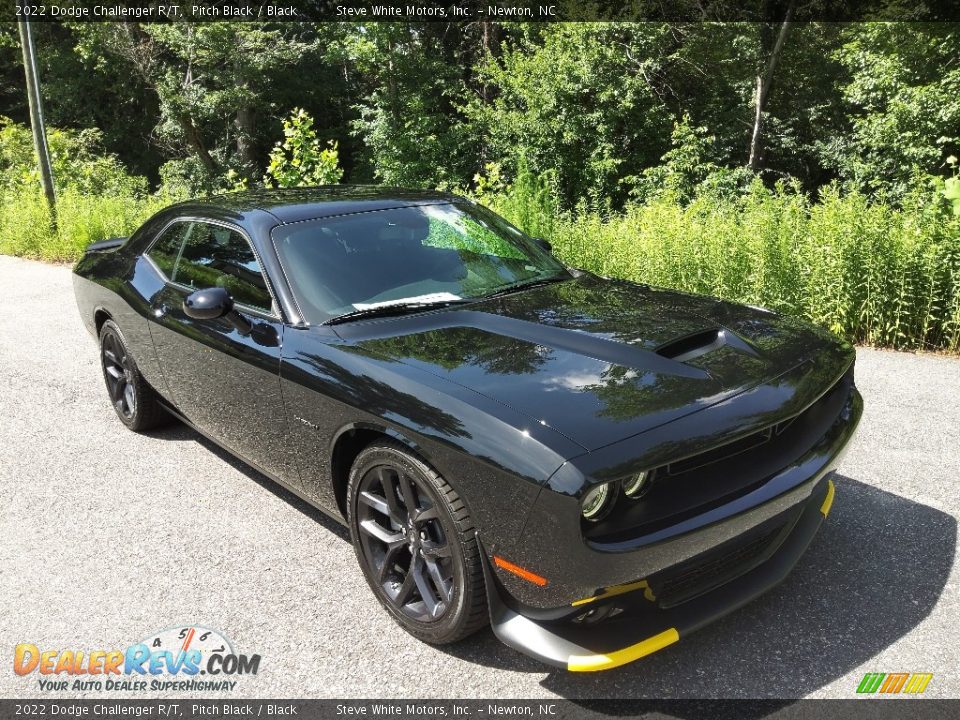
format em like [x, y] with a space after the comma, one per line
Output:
[730, 449]
[720, 453]
[701, 576]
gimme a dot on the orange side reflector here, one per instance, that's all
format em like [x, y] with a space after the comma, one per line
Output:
[519, 571]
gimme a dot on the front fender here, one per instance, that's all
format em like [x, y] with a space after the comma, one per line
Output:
[496, 459]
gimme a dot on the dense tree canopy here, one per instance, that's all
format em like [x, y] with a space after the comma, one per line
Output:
[600, 108]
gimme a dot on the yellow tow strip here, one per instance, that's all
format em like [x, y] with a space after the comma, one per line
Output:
[591, 663]
[828, 500]
[619, 590]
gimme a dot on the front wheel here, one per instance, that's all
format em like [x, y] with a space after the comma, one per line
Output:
[416, 544]
[135, 402]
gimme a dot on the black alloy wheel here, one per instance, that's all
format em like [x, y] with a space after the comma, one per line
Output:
[405, 543]
[416, 545]
[135, 402]
[118, 372]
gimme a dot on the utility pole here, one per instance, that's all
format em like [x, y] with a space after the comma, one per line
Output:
[36, 119]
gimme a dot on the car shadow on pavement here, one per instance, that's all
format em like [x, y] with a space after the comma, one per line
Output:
[875, 570]
[182, 432]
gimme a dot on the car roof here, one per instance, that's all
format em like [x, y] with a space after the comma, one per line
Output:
[290, 205]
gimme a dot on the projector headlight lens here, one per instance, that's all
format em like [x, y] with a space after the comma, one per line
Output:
[596, 502]
[637, 485]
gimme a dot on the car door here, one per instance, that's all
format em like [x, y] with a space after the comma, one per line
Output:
[225, 382]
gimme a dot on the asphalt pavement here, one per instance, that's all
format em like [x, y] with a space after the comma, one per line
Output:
[107, 537]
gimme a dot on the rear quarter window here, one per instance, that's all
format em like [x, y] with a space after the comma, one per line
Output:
[166, 250]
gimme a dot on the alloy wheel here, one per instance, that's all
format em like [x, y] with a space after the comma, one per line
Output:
[404, 543]
[118, 370]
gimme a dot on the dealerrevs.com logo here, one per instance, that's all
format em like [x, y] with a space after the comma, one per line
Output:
[894, 683]
[190, 658]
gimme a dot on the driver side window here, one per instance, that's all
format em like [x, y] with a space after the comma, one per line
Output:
[201, 255]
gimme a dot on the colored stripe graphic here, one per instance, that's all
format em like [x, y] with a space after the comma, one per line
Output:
[918, 683]
[870, 682]
[188, 640]
[893, 683]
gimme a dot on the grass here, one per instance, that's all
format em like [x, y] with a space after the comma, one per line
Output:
[81, 219]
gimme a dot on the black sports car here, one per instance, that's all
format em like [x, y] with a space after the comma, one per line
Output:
[595, 467]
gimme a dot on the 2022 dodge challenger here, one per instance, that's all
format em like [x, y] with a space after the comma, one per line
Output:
[595, 467]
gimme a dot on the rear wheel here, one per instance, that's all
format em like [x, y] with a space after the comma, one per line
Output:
[135, 402]
[416, 544]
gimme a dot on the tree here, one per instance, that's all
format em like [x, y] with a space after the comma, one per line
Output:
[591, 105]
[902, 98]
[764, 83]
[414, 78]
[584, 99]
[201, 75]
[301, 160]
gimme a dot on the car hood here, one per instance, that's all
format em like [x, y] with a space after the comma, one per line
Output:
[597, 360]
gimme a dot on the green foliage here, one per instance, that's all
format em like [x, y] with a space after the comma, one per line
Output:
[569, 100]
[593, 103]
[683, 167]
[96, 198]
[186, 177]
[81, 220]
[76, 156]
[951, 186]
[903, 101]
[623, 143]
[411, 86]
[214, 85]
[301, 160]
[530, 201]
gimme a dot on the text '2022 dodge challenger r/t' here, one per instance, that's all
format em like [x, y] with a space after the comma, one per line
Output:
[594, 467]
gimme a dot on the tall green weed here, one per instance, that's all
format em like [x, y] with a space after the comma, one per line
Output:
[25, 227]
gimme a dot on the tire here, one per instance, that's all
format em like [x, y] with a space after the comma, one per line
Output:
[135, 402]
[424, 565]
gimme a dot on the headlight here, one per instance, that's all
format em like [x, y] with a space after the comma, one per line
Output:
[596, 502]
[636, 486]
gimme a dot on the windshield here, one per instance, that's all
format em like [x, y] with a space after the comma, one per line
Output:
[421, 255]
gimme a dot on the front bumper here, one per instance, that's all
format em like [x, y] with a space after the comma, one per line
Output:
[634, 625]
[719, 562]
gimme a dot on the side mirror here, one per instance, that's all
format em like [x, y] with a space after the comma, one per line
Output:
[543, 244]
[208, 304]
[213, 303]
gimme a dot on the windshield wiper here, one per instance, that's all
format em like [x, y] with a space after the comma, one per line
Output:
[516, 287]
[398, 308]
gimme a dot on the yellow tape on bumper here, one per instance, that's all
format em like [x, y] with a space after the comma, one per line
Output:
[828, 500]
[592, 663]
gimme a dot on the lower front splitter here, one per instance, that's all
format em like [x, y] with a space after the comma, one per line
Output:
[638, 629]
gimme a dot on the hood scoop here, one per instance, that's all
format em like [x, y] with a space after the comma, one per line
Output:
[693, 346]
[595, 361]
[700, 343]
